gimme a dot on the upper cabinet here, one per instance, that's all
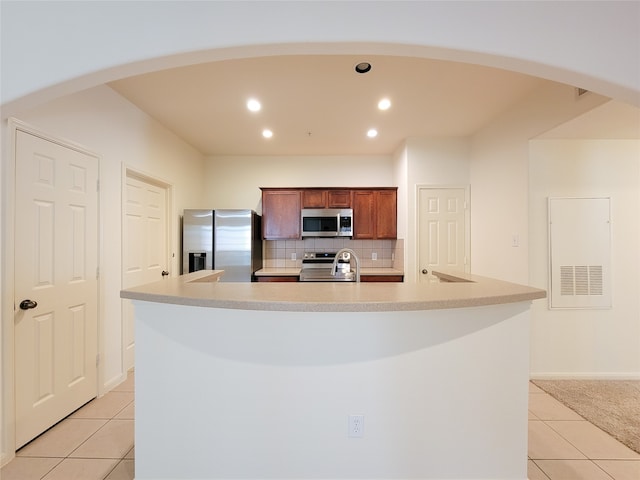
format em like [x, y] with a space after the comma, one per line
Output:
[375, 213]
[314, 198]
[364, 216]
[339, 199]
[326, 198]
[280, 213]
[374, 210]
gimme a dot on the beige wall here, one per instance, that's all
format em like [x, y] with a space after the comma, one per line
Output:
[587, 343]
[111, 48]
[235, 181]
[499, 172]
[107, 124]
[430, 162]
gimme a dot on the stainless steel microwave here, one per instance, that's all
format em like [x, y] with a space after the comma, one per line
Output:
[327, 222]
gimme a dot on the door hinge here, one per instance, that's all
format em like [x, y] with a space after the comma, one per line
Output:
[97, 359]
[97, 273]
[465, 205]
[97, 185]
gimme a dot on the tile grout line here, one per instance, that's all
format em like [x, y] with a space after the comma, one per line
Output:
[541, 469]
[52, 468]
[545, 423]
[68, 456]
[574, 446]
[587, 457]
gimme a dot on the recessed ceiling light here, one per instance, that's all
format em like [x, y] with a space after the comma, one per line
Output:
[253, 105]
[363, 67]
[266, 133]
[372, 133]
[384, 104]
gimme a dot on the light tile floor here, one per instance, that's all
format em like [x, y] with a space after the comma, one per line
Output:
[96, 443]
[563, 445]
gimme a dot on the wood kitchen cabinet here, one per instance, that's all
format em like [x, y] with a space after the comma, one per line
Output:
[386, 214]
[326, 198]
[381, 278]
[314, 198]
[375, 214]
[339, 199]
[276, 278]
[374, 210]
[364, 218]
[281, 214]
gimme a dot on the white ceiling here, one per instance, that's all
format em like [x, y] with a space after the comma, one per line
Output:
[318, 105]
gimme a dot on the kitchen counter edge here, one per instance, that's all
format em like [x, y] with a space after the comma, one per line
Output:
[202, 289]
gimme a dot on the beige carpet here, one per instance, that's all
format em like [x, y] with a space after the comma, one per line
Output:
[614, 406]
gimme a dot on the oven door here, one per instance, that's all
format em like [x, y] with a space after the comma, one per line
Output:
[324, 275]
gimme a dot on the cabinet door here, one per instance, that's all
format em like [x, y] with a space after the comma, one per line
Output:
[280, 214]
[314, 198]
[364, 214]
[386, 214]
[339, 199]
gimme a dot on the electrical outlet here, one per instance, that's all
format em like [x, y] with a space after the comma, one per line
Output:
[293, 256]
[374, 256]
[356, 426]
[515, 240]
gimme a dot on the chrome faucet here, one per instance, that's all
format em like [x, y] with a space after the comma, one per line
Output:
[334, 266]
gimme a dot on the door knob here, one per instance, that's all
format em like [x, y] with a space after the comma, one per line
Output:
[164, 273]
[424, 271]
[27, 304]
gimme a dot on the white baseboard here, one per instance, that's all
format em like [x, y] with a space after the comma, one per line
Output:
[113, 382]
[584, 375]
[6, 457]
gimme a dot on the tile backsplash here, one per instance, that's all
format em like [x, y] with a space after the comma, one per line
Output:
[289, 253]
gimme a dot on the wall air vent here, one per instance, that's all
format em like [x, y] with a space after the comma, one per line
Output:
[581, 91]
[579, 253]
[581, 280]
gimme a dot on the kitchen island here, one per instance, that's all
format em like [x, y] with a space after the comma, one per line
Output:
[259, 380]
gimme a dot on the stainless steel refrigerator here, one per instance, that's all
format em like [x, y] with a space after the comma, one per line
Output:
[229, 240]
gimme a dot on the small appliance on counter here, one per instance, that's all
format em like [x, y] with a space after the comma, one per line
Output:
[316, 267]
[226, 239]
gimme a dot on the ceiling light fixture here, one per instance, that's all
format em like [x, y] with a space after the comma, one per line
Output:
[384, 104]
[253, 105]
[363, 67]
[372, 133]
[266, 133]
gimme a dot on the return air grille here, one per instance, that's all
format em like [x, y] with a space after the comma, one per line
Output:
[581, 280]
[579, 253]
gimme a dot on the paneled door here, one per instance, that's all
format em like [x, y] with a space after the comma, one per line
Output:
[442, 231]
[56, 284]
[145, 245]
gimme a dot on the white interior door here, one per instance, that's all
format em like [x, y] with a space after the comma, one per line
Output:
[442, 224]
[56, 262]
[145, 245]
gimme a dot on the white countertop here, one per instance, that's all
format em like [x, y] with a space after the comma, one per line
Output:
[202, 289]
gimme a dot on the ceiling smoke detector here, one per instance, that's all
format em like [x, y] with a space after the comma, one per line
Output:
[363, 67]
